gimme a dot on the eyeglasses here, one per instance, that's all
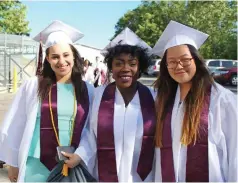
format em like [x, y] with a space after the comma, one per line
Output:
[184, 62]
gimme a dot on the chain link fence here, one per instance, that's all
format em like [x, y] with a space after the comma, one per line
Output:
[19, 52]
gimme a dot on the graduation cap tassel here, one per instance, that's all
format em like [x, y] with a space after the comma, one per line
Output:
[39, 65]
[65, 170]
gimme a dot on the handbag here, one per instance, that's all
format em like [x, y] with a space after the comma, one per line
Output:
[76, 174]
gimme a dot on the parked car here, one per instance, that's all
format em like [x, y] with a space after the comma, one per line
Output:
[226, 75]
[235, 63]
[153, 69]
[1, 164]
[214, 64]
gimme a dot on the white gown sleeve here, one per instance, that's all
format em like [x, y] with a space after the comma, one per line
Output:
[12, 128]
[88, 145]
[225, 119]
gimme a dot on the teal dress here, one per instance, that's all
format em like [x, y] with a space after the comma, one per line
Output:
[35, 170]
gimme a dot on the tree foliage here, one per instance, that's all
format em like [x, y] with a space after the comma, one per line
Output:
[13, 17]
[216, 18]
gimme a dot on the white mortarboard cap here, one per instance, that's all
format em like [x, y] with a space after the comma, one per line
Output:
[178, 34]
[58, 32]
[127, 36]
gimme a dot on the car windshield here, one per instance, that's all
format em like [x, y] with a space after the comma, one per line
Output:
[152, 62]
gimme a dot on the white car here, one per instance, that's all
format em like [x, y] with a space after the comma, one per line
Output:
[215, 64]
[153, 69]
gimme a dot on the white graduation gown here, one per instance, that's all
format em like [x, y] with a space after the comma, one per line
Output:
[102, 68]
[128, 132]
[89, 75]
[17, 128]
[222, 138]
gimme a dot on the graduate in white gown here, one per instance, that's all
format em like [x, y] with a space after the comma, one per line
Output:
[100, 73]
[88, 72]
[196, 133]
[123, 119]
[46, 103]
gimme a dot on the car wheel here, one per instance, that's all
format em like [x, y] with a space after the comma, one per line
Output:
[233, 80]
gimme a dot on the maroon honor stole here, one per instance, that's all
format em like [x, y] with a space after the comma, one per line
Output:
[48, 142]
[107, 169]
[197, 154]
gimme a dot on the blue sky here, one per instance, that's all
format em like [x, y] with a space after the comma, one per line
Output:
[96, 19]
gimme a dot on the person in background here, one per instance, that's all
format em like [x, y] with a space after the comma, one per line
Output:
[100, 73]
[88, 72]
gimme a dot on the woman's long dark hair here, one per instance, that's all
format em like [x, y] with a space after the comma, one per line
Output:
[167, 88]
[47, 76]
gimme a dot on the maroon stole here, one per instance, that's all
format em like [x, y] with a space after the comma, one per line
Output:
[197, 155]
[48, 142]
[107, 169]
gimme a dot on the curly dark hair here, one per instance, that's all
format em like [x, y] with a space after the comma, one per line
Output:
[135, 51]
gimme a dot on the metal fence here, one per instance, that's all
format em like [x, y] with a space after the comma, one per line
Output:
[19, 52]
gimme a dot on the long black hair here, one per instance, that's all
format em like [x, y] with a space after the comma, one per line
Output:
[47, 76]
[167, 88]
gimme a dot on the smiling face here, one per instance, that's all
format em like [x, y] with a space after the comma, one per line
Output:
[61, 59]
[125, 70]
[181, 66]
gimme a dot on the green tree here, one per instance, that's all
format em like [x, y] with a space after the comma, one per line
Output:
[13, 17]
[216, 18]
